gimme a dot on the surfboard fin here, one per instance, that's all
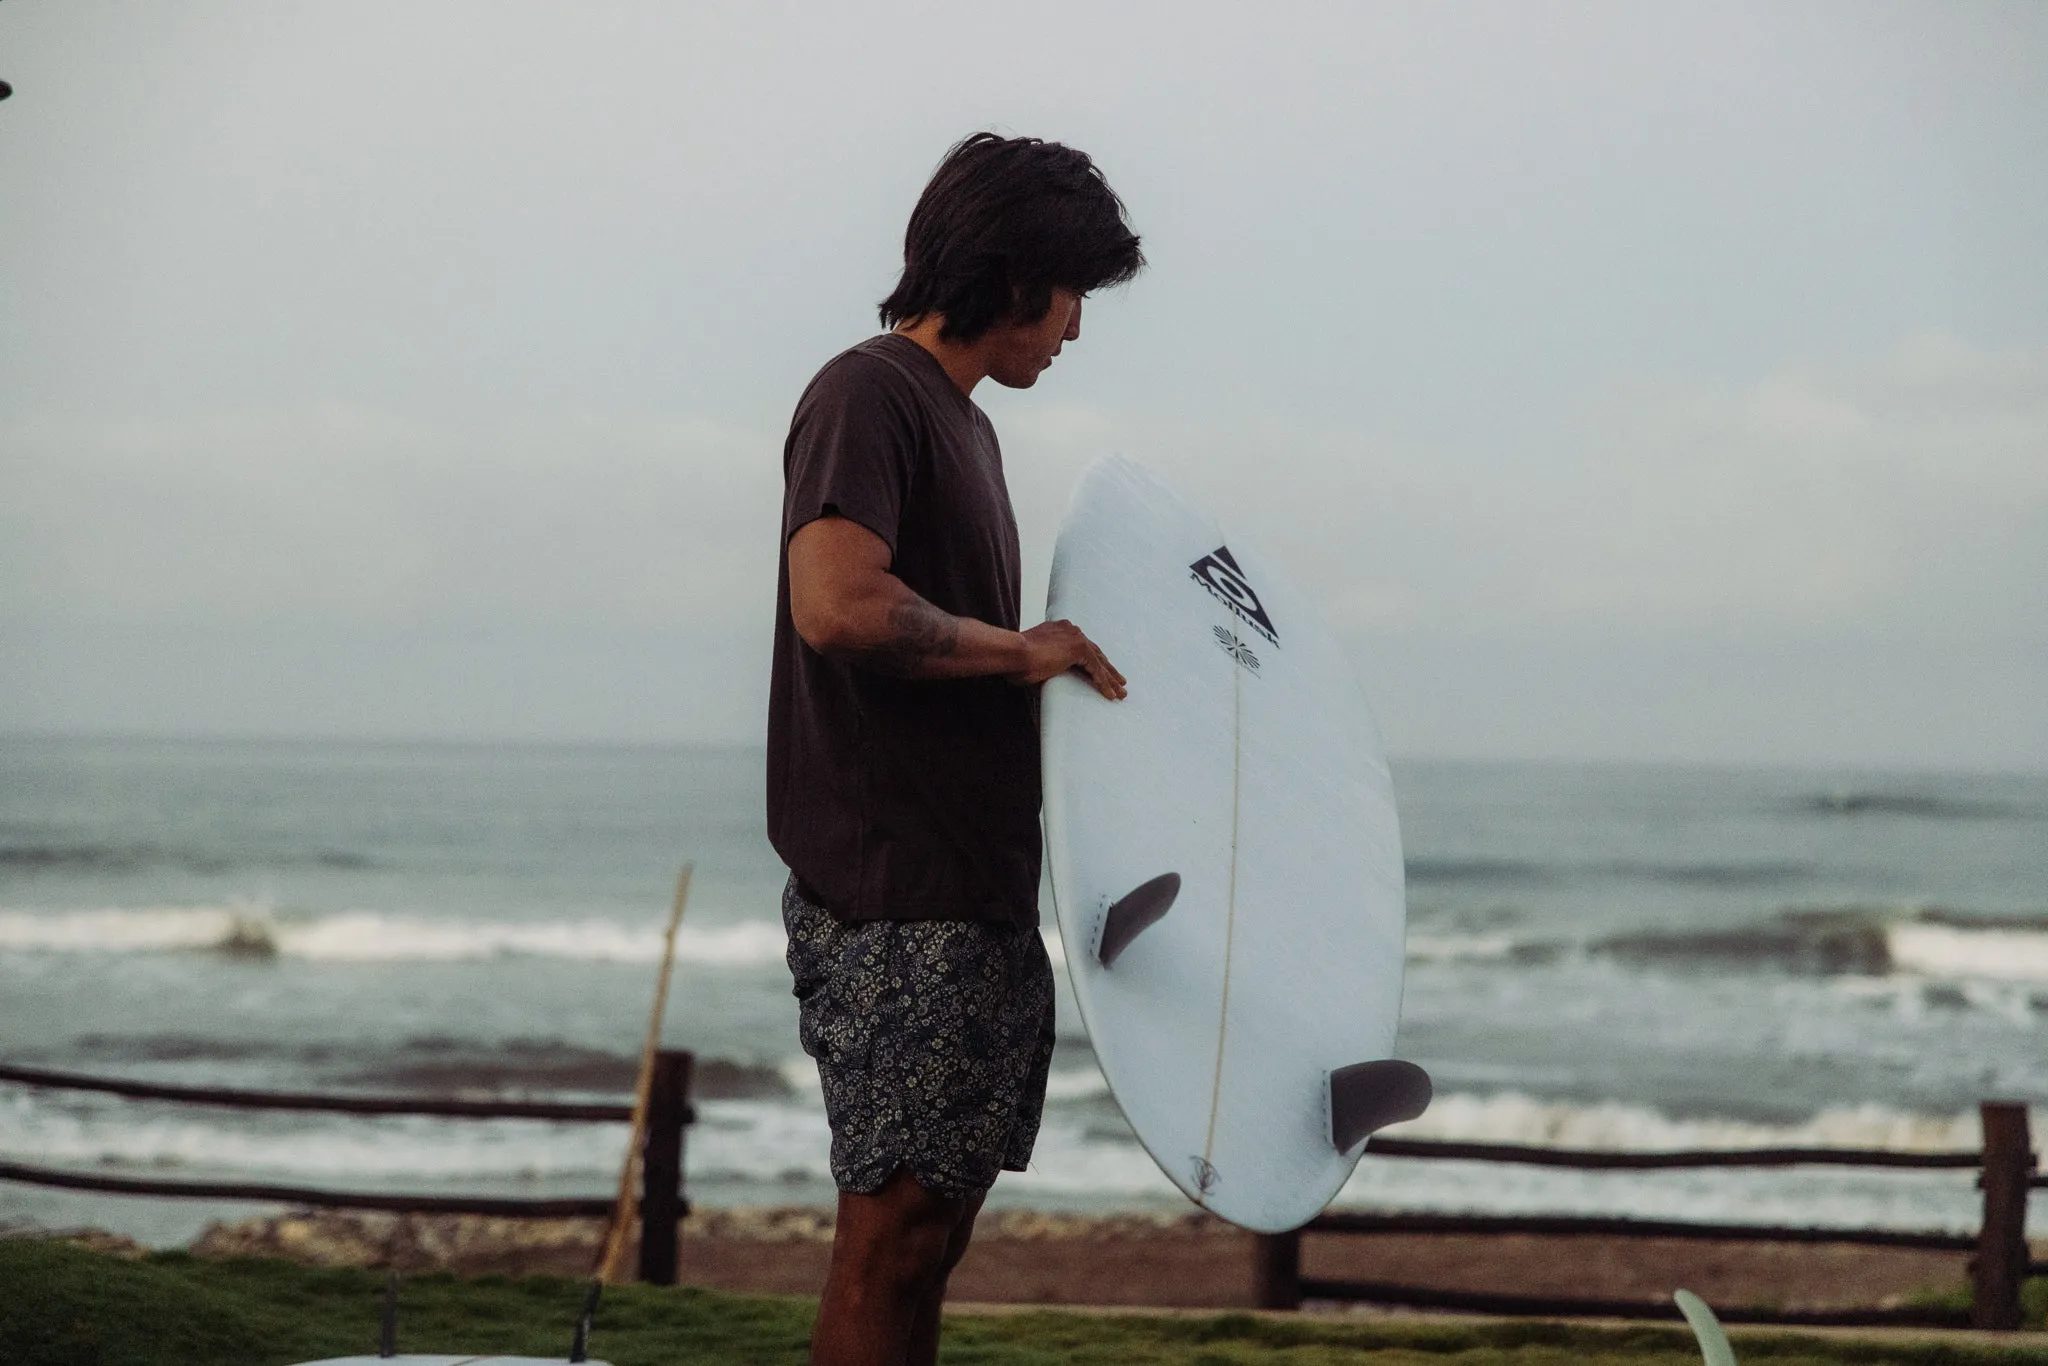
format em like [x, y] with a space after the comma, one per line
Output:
[387, 1323]
[579, 1345]
[1140, 908]
[1368, 1096]
[1706, 1329]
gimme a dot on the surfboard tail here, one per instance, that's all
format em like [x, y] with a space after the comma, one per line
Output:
[1368, 1096]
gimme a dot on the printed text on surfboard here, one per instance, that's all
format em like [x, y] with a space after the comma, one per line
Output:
[1218, 572]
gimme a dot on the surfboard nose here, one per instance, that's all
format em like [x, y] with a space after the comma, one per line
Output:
[1134, 912]
[1368, 1096]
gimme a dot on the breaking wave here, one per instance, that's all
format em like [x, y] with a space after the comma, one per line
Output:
[1479, 870]
[1427, 871]
[1848, 942]
[1914, 805]
[59, 857]
[1513, 1117]
[1804, 942]
[1832, 942]
[374, 937]
[761, 1145]
[1934, 949]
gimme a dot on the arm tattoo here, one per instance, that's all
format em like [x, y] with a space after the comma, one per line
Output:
[919, 632]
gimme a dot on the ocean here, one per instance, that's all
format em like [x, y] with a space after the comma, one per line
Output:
[1613, 956]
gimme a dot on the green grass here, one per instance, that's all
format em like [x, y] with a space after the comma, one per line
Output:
[62, 1305]
[2033, 1301]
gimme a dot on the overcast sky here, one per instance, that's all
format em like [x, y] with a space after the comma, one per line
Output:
[1629, 381]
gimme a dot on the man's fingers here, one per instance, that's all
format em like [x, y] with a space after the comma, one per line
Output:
[1101, 672]
[1084, 656]
[1100, 682]
[1107, 667]
[1094, 653]
[1107, 681]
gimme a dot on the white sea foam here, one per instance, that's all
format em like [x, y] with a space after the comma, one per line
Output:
[1511, 1117]
[1459, 948]
[119, 931]
[1954, 951]
[1918, 949]
[772, 1143]
[375, 937]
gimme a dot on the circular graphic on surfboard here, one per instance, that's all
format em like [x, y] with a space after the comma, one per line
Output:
[1225, 859]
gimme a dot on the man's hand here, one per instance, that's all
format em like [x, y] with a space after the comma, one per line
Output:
[1053, 647]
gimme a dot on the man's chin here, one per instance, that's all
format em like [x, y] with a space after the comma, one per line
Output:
[1016, 381]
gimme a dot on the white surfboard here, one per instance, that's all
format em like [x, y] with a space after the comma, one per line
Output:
[413, 1360]
[1225, 859]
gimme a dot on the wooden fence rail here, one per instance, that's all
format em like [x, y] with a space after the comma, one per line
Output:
[663, 1205]
[1591, 1159]
[1345, 1221]
[305, 1100]
[566, 1208]
[1999, 1267]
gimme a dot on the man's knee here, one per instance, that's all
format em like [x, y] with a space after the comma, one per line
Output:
[963, 1231]
[902, 1238]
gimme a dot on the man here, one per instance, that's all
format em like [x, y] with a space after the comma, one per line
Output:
[903, 783]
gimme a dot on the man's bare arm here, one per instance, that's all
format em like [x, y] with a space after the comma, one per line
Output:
[845, 603]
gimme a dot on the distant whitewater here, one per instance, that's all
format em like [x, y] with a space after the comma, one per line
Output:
[373, 937]
[1925, 944]
[1605, 957]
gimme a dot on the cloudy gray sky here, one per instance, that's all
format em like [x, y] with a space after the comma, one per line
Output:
[1630, 381]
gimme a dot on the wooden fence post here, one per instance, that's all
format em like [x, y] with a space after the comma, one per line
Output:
[1276, 1270]
[662, 1205]
[2000, 1266]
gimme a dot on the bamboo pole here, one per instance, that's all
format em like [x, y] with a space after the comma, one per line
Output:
[611, 1262]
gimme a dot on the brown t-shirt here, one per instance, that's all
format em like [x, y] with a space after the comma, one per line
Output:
[891, 798]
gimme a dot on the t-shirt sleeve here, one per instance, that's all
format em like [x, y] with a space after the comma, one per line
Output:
[852, 446]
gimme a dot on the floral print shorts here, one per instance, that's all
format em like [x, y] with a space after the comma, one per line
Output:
[933, 1039]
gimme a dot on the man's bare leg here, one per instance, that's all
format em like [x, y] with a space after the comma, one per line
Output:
[924, 1332]
[889, 1253]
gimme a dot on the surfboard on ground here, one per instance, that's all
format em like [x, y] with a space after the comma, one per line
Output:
[387, 1346]
[413, 1360]
[1225, 859]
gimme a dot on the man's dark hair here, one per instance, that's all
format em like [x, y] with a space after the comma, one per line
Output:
[1004, 221]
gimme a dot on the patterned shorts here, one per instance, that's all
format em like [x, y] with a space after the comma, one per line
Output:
[933, 1039]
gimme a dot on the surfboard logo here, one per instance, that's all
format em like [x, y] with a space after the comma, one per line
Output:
[1236, 648]
[1206, 1175]
[1218, 572]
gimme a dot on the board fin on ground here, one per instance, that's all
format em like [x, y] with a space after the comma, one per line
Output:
[1706, 1329]
[387, 1324]
[1368, 1096]
[579, 1343]
[1134, 912]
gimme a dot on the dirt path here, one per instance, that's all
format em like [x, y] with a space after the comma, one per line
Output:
[1187, 1261]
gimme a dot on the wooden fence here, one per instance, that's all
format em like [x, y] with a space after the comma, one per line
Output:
[662, 1202]
[1998, 1268]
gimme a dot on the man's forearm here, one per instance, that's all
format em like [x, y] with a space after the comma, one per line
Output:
[901, 634]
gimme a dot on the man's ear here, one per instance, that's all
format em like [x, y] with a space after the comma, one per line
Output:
[1022, 314]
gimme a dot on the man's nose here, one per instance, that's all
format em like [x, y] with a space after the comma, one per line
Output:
[1073, 322]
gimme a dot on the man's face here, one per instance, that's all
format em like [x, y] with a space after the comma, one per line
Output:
[1019, 352]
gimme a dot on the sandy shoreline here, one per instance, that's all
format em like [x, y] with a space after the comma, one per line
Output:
[1188, 1260]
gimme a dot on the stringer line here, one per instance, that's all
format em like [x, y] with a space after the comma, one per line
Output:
[1230, 913]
